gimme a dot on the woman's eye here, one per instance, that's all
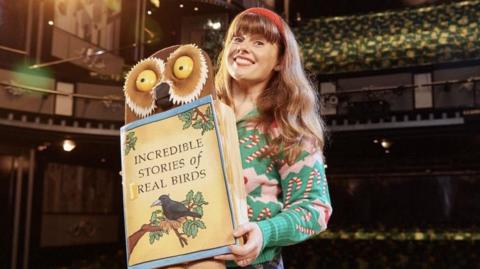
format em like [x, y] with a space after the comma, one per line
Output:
[237, 39]
[259, 43]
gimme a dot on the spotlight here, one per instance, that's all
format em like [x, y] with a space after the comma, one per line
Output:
[50, 22]
[386, 143]
[195, 8]
[149, 12]
[68, 145]
[181, 6]
[214, 25]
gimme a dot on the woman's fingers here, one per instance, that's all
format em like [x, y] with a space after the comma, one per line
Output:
[245, 254]
[243, 250]
[243, 229]
[225, 257]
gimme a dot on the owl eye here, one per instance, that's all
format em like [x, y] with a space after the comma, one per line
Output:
[146, 80]
[183, 67]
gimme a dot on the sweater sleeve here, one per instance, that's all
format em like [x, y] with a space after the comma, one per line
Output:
[306, 202]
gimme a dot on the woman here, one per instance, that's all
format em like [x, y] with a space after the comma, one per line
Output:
[281, 138]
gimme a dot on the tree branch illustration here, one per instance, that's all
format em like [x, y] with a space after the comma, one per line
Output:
[135, 237]
[183, 240]
[199, 113]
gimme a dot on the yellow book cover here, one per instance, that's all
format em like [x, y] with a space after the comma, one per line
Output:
[180, 201]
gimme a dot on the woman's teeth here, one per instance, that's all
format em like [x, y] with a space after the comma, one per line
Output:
[240, 60]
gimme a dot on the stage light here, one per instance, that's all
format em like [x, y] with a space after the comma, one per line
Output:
[299, 17]
[50, 22]
[181, 5]
[195, 8]
[386, 143]
[149, 12]
[68, 145]
[214, 25]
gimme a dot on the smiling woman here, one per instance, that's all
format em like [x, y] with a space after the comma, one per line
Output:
[281, 138]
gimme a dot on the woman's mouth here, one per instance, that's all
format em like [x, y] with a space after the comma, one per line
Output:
[240, 60]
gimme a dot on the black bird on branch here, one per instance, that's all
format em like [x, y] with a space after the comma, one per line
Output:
[174, 210]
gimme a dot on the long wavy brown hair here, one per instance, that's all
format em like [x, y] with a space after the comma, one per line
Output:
[290, 100]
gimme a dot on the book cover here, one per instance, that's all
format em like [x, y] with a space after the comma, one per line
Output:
[179, 197]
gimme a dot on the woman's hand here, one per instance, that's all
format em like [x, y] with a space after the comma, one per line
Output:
[244, 255]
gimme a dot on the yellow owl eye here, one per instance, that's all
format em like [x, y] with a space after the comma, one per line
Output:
[146, 80]
[183, 67]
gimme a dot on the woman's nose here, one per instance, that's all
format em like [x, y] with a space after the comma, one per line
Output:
[243, 46]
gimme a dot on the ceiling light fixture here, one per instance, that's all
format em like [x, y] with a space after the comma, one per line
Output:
[68, 145]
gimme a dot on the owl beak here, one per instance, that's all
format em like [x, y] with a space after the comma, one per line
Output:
[162, 97]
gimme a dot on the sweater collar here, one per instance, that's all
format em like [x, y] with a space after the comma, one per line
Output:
[252, 114]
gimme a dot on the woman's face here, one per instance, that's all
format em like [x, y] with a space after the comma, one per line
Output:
[251, 59]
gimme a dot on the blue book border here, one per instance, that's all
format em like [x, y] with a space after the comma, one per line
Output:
[167, 114]
[161, 116]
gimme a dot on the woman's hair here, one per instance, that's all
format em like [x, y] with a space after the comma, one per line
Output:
[290, 100]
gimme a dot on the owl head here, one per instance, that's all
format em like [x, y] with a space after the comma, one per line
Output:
[170, 77]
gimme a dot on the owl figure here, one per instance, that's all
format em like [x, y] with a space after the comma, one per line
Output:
[170, 77]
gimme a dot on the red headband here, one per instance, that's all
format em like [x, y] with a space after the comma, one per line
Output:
[272, 16]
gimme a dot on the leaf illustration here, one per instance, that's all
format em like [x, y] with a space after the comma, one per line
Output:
[130, 141]
[190, 196]
[198, 210]
[194, 230]
[153, 218]
[200, 224]
[198, 198]
[197, 125]
[152, 238]
[187, 228]
[186, 117]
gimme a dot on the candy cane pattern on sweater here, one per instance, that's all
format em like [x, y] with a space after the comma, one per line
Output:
[270, 167]
[305, 230]
[314, 174]
[307, 216]
[253, 139]
[298, 183]
[250, 213]
[257, 153]
[265, 211]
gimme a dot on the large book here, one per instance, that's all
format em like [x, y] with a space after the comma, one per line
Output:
[183, 188]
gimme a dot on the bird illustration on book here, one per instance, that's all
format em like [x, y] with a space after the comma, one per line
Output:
[174, 210]
[184, 218]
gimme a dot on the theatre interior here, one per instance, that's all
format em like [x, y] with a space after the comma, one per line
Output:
[399, 84]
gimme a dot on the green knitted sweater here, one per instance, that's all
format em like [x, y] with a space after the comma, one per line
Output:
[290, 203]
